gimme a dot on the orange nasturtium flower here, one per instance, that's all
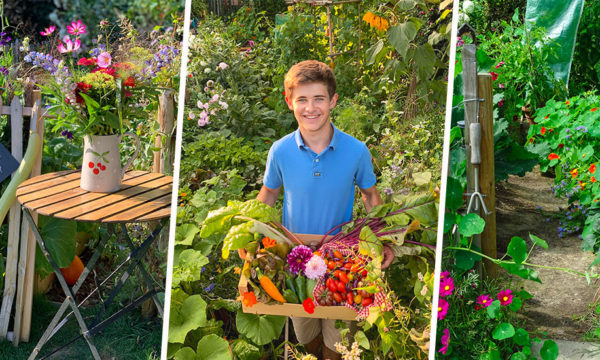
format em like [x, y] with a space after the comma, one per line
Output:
[593, 168]
[553, 156]
[593, 179]
[582, 184]
[574, 172]
[268, 242]
[237, 270]
[543, 131]
[594, 109]
[249, 299]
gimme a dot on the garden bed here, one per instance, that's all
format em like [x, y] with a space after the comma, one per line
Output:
[561, 300]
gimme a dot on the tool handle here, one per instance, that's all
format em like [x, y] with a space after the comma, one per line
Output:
[475, 134]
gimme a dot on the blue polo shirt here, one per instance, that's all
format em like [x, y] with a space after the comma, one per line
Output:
[318, 188]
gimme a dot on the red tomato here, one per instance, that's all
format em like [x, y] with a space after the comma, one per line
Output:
[367, 301]
[332, 285]
[348, 266]
[331, 265]
[364, 272]
[343, 278]
[349, 298]
[337, 273]
[341, 287]
[337, 297]
[338, 255]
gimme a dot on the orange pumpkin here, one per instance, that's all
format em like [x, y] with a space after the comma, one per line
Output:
[73, 272]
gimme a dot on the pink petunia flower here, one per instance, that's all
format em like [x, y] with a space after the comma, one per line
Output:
[442, 309]
[445, 341]
[499, 64]
[494, 76]
[76, 28]
[69, 45]
[501, 86]
[505, 297]
[484, 300]
[446, 286]
[48, 31]
[104, 60]
[501, 102]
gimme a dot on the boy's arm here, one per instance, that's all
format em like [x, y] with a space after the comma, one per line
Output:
[268, 195]
[370, 197]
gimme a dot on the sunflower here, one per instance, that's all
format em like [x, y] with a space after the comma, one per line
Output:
[376, 21]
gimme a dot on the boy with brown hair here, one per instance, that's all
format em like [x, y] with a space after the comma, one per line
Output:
[318, 167]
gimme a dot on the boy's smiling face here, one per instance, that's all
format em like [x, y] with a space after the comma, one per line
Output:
[311, 106]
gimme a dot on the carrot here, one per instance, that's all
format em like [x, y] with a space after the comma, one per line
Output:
[269, 287]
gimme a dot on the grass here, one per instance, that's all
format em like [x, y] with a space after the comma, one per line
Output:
[130, 337]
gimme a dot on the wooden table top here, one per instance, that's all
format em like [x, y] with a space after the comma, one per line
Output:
[143, 197]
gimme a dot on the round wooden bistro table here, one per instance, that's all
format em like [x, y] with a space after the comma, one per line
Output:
[143, 197]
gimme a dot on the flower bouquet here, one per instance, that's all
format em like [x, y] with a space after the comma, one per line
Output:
[97, 94]
[335, 277]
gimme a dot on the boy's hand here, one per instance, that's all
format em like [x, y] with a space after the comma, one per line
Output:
[388, 256]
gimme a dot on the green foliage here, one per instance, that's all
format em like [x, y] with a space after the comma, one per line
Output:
[585, 70]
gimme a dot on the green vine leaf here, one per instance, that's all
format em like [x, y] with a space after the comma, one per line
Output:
[261, 329]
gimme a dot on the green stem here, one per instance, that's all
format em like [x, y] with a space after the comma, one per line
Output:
[499, 262]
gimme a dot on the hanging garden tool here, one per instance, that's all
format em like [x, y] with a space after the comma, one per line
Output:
[476, 196]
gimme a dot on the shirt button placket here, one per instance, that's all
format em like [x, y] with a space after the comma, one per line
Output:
[316, 168]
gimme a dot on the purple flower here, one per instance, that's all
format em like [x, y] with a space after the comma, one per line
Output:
[460, 42]
[298, 258]
[209, 288]
[445, 341]
[67, 134]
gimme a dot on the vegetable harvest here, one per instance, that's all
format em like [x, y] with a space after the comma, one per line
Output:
[270, 288]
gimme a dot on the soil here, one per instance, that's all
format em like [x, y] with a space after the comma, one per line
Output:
[561, 301]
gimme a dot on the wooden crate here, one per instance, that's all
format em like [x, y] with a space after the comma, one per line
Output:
[297, 310]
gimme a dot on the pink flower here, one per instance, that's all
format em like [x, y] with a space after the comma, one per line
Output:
[76, 28]
[494, 76]
[501, 86]
[445, 341]
[446, 286]
[501, 102]
[68, 45]
[104, 60]
[442, 309]
[48, 31]
[484, 300]
[499, 64]
[460, 42]
[505, 297]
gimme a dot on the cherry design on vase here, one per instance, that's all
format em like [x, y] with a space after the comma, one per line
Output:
[97, 167]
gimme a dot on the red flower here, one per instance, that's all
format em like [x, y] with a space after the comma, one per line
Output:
[574, 172]
[87, 62]
[494, 76]
[309, 306]
[594, 109]
[531, 140]
[283, 92]
[83, 86]
[553, 156]
[129, 82]
[561, 145]
[543, 131]
[568, 102]
[545, 117]
[124, 66]
[593, 179]
[593, 168]
[249, 299]
[109, 71]
[128, 94]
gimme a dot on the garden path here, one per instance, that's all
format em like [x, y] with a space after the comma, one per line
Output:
[561, 304]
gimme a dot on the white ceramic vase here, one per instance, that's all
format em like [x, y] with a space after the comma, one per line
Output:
[101, 168]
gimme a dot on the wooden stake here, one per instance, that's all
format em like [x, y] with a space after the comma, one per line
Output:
[164, 158]
[486, 170]
[14, 220]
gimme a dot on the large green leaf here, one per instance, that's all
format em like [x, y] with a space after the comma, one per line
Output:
[401, 35]
[521, 337]
[187, 313]
[425, 60]
[187, 266]
[454, 194]
[261, 329]
[244, 350]
[184, 234]
[369, 244]
[213, 347]
[517, 249]
[374, 52]
[185, 353]
[522, 271]
[465, 260]
[549, 350]
[59, 237]
[503, 331]
[471, 224]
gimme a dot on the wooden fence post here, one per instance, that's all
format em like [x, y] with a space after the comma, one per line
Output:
[14, 221]
[164, 158]
[487, 179]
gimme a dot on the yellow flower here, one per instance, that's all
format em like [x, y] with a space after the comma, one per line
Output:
[376, 21]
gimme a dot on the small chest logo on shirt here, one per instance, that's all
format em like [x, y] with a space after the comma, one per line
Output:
[317, 174]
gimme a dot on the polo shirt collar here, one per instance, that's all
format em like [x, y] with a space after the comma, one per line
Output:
[332, 144]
